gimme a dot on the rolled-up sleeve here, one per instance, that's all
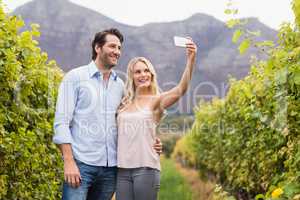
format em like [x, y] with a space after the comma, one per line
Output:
[65, 106]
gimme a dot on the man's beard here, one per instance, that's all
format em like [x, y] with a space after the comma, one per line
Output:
[107, 65]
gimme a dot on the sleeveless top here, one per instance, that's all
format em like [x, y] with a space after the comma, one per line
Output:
[136, 137]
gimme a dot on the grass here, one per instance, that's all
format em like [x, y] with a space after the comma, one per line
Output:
[201, 189]
[173, 185]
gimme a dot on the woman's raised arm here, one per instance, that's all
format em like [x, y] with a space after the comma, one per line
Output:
[171, 96]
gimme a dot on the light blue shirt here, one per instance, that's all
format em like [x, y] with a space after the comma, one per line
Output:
[85, 115]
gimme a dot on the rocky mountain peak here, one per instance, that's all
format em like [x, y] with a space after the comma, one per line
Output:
[67, 30]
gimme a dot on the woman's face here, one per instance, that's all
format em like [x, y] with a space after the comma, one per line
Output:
[141, 75]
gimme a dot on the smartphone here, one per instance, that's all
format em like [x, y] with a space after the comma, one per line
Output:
[181, 41]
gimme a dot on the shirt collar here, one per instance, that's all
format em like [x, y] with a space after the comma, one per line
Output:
[94, 71]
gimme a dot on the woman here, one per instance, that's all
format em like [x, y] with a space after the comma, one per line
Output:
[140, 111]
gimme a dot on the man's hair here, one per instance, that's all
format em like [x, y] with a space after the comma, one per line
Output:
[100, 39]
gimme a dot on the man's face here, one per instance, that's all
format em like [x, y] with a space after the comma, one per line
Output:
[110, 52]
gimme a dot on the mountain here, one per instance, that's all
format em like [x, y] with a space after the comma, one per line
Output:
[67, 30]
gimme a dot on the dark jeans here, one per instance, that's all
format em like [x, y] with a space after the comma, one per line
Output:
[138, 184]
[98, 183]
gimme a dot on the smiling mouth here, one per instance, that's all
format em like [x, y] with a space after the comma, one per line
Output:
[114, 57]
[143, 81]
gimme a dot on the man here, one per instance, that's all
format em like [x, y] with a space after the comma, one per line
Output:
[85, 122]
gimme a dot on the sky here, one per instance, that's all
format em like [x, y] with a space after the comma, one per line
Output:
[139, 12]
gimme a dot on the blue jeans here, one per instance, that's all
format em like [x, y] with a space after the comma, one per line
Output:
[98, 183]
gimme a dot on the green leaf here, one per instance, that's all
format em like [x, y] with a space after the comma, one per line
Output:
[291, 189]
[232, 23]
[294, 113]
[254, 33]
[19, 23]
[236, 36]
[281, 76]
[244, 46]
[35, 31]
[267, 43]
[230, 198]
[228, 11]
[297, 77]
[259, 197]
[264, 118]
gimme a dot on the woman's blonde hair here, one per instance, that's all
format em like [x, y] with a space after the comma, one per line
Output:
[130, 90]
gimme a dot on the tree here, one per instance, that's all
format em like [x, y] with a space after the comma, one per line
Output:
[30, 165]
[250, 139]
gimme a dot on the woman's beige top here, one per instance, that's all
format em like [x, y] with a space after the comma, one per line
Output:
[136, 137]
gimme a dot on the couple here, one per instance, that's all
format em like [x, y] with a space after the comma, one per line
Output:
[105, 131]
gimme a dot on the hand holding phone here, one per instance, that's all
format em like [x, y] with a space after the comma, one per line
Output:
[181, 41]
